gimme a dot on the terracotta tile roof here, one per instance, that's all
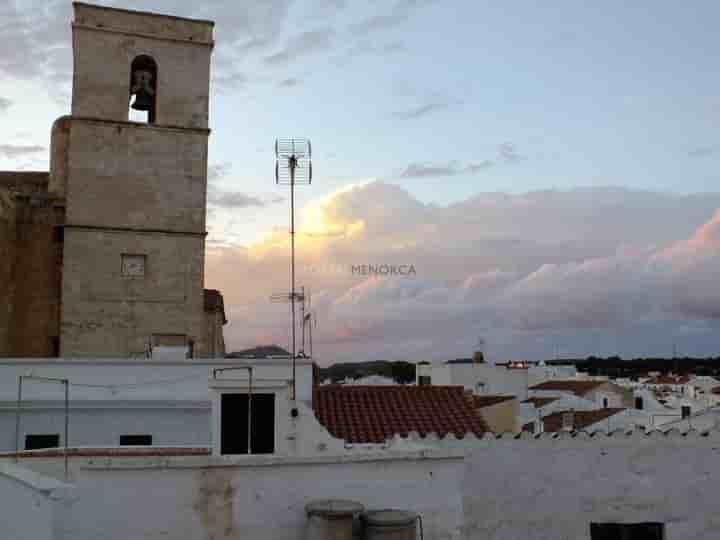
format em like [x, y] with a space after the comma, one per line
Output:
[489, 401]
[582, 419]
[670, 379]
[578, 388]
[716, 390]
[117, 451]
[373, 414]
[214, 302]
[540, 401]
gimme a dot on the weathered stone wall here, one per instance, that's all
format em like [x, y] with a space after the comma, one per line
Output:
[554, 487]
[30, 265]
[106, 314]
[214, 321]
[136, 188]
[37, 277]
[106, 41]
[7, 262]
[59, 141]
[137, 176]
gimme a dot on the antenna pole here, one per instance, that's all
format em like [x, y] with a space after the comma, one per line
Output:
[293, 165]
[292, 162]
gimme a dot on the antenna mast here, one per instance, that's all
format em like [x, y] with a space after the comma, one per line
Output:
[293, 165]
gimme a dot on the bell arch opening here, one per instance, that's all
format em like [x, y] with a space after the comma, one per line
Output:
[143, 90]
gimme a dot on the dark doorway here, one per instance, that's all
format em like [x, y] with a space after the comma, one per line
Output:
[627, 531]
[234, 424]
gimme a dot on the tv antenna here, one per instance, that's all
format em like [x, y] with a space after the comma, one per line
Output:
[293, 166]
[308, 320]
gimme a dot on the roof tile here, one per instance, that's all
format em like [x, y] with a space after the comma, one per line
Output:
[373, 414]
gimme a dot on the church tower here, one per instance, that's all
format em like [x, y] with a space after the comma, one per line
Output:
[135, 184]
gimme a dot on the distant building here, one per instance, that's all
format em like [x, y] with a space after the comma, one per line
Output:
[570, 420]
[511, 378]
[500, 413]
[603, 393]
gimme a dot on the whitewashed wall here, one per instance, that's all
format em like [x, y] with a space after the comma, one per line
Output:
[258, 498]
[169, 400]
[32, 505]
[552, 488]
[169, 424]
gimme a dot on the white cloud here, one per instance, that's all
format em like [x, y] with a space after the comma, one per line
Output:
[603, 271]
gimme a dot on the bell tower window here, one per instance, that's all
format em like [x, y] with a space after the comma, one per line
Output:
[143, 90]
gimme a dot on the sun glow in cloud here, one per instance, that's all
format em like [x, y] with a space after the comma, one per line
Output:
[620, 286]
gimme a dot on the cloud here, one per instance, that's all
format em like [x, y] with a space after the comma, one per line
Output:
[400, 14]
[421, 110]
[704, 151]
[365, 47]
[424, 170]
[12, 151]
[235, 199]
[4, 104]
[41, 37]
[289, 83]
[598, 271]
[508, 153]
[302, 45]
[218, 171]
[377, 23]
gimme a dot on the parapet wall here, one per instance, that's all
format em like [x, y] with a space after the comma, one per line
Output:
[555, 485]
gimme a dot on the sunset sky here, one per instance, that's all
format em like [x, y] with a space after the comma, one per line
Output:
[548, 168]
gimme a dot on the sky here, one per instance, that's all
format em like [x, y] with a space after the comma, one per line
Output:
[547, 169]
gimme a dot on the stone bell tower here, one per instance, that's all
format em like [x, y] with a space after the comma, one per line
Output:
[135, 191]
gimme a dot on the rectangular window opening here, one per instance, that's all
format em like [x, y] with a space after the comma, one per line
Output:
[234, 424]
[40, 441]
[627, 531]
[136, 440]
[58, 234]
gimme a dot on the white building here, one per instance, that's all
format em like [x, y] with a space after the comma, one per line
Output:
[130, 401]
[511, 378]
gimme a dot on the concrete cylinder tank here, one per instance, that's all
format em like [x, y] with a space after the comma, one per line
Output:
[390, 525]
[331, 519]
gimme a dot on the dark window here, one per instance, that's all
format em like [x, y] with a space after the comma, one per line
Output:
[605, 403]
[627, 531]
[54, 347]
[143, 89]
[58, 234]
[639, 403]
[135, 440]
[234, 424]
[37, 442]
[685, 411]
[424, 380]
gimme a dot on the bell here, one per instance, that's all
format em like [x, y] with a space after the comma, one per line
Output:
[143, 101]
[143, 90]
